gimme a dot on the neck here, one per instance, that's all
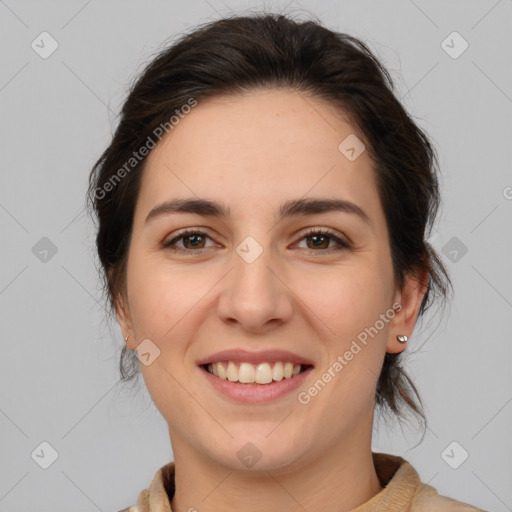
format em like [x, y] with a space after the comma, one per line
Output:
[340, 479]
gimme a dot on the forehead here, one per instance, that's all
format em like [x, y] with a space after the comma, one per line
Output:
[261, 146]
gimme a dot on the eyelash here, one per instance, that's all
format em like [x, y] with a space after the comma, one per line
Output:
[343, 245]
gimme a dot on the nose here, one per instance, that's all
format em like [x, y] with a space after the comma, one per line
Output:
[255, 294]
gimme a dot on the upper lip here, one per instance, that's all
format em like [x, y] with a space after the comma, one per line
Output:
[265, 356]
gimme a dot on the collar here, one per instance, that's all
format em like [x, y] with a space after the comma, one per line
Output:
[399, 480]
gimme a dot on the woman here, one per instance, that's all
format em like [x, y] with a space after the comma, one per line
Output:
[262, 214]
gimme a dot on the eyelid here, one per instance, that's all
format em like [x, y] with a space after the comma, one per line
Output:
[183, 233]
[343, 242]
[340, 239]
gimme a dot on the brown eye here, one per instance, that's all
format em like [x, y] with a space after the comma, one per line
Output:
[196, 240]
[193, 241]
[321, 239]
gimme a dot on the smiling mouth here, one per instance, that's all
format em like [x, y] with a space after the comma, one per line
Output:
[247, 373]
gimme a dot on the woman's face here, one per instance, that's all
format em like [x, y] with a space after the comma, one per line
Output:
[262, 283]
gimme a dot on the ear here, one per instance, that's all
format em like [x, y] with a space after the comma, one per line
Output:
[410, 298]
[124, 319]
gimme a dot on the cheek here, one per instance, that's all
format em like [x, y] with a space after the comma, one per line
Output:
[350, 303]
[347, 299]
[354, 355]
[159, 295]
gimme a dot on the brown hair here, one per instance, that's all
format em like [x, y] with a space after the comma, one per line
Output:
[265, 50]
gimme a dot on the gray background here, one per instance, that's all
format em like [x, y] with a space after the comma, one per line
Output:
[59, 357]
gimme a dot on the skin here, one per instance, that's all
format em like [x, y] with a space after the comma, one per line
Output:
[253, 152]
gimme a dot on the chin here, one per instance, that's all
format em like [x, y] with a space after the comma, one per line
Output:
[259, 453]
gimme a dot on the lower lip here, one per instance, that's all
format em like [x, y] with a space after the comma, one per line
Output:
[256, 393]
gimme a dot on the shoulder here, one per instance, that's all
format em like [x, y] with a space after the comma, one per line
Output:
[156, 497]
[403, 490]
[142, 504]
[428, 499]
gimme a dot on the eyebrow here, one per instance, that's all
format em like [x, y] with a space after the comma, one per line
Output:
[292, 208]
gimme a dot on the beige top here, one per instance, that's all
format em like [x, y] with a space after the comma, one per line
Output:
[403, 491]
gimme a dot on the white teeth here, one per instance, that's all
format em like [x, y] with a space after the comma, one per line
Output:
[221, 372]
[277, 371]
[263, 374]
[232, 372]
[247, 373]
[288, 370]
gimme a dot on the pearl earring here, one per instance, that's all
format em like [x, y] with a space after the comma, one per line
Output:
[402, 338]
[126, 339]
